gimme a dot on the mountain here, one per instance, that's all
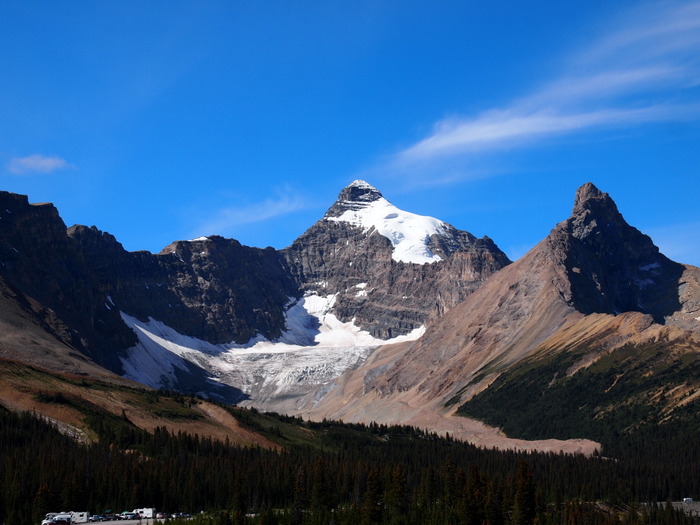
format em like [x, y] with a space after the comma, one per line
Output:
[233, 322]
[592, 286]
[373, 314]
[355, 289]
[390, 271]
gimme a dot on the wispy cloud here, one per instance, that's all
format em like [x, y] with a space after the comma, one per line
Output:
[36, 163]
[226, 220]
[645, 70]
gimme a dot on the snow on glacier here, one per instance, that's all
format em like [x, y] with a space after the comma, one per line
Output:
[315, 349]
[409, 233]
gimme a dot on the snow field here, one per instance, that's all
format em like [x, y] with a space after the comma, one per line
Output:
[315, 349]
[409, 233]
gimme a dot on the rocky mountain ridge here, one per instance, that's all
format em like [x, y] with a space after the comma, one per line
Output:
[301, 330]
[592, 286]
[352, 252]
[213, 290]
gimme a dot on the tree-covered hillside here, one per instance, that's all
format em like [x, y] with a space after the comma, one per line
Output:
[323, 473]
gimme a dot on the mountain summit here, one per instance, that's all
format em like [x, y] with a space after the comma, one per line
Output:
[415, 238]
[355, 196]
[390, 270]
[612, 266]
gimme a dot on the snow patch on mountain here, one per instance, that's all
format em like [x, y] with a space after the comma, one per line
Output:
[315, 349]
[409, 233]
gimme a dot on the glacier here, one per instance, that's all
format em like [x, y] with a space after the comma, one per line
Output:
[315, 349]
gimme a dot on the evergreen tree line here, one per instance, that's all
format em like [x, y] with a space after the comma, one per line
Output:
[359, 474]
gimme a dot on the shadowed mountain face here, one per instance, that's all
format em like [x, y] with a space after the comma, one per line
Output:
[213, 288]
[613, 267]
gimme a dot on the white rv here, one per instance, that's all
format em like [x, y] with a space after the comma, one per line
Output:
[147, 513]
[62, 518]
[47, 519]
[79, 516]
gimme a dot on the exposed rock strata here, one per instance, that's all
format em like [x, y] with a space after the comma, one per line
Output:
[214, 289]
[384, 296]
[219, 291]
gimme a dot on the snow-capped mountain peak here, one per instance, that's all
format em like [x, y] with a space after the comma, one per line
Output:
[362, 205]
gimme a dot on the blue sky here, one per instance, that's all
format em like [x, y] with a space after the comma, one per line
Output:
[166, 120]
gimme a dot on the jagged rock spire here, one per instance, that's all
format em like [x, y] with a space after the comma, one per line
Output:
[584, 194]
[593, 210]
[612, 266]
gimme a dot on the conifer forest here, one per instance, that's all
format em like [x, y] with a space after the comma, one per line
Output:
[330, 472]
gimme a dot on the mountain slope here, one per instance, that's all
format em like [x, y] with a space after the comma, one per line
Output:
[590, 265]
[594, 262]
[300, 330]
[605, 376]
[80, 406]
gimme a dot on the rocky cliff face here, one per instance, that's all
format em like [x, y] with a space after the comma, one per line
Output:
[41, 263]
[212, 288]
[391, 271]
[568, 290]
[613, 267]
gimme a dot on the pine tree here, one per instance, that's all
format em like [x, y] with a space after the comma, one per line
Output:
[371, 510]
[524, 509]
[300, 503]
[397, 501]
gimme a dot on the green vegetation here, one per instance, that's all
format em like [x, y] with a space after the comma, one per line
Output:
[635, 401]
[326, 472]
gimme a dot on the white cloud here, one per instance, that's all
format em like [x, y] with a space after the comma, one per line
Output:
[645, 70]
[500, 129]
[227, 219]
[36, 163]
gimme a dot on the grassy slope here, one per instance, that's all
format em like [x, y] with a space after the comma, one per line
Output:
[620, 392]
[84, 408]
[75, 403]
